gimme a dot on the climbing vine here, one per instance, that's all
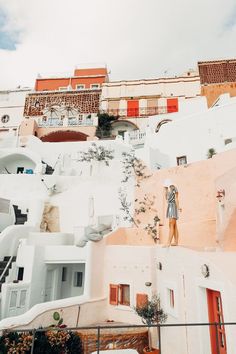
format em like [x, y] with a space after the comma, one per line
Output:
[134, 167]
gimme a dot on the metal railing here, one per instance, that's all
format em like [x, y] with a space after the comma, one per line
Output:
[98, 329]
[141, 111]
[72, 122]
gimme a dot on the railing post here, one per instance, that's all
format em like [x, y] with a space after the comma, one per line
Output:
[217, 338]
[33, 339]
[159, 338]
[98, 341]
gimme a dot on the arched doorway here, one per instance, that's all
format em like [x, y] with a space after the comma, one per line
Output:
[64, 136]
[119, 127]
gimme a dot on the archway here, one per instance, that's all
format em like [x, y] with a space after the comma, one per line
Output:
[64, 136]
[119, 127]
[162, 122]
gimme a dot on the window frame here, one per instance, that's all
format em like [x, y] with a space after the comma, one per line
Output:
[117, 297]
[78, 282]
[95, 88]
[179, 158]
[82, 87]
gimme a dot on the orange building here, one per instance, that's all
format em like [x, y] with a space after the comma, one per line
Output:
[64, 108]
[217, 77]
[83, 79]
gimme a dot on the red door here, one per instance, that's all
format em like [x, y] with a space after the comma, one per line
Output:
[215, 312]
[172, 105]
[133, 108]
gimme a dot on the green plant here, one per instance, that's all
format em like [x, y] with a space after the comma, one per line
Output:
[132, 166]
[97, 153]
[51, 342]
[105, 125]
[210, 153]
[151, 313]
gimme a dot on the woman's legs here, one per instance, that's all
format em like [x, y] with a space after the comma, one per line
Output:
[176, 234]
[171, 230]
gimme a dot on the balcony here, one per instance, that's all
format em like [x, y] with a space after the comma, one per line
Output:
[67, 122]
[141, 111]
[135, 137]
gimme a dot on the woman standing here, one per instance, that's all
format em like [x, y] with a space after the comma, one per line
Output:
[171, 194]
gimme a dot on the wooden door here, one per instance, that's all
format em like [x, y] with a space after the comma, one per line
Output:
[215, 312]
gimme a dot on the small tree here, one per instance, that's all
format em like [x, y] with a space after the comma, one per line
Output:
[151, 313]
[210, 153]
[104, 125]
[96, 153]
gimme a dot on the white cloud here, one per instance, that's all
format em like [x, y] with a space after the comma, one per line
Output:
[136, 38]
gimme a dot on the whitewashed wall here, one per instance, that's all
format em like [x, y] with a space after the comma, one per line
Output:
[193, 135]
[12, 103]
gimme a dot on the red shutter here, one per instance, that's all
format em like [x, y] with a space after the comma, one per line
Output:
[114, 290]
[141, 300]
[133, 108]
[172, 105]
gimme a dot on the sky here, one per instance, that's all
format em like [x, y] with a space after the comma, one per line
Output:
[134, 38]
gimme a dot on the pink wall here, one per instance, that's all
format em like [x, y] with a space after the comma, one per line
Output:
[197, 184]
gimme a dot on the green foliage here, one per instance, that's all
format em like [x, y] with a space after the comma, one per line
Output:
[50, 342]
[104, 125]
[132, 166]
[210, 153]
[56, 316]
[97, 153]
[151, 312]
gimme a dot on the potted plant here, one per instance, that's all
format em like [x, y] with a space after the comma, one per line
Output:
[151, 313]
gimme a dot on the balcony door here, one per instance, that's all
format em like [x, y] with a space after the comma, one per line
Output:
[215, 311]
[132, 108]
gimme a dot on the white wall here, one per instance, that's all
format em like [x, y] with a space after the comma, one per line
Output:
[194, 135]
[132, 266]
[181, 271]
[12, 103]
[166, 87]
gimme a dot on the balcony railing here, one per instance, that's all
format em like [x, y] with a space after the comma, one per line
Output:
[99, 343]
[135, 137]
[141, 111]
[71, 122]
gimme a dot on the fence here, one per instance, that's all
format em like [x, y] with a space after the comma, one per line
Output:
[219, 345]
[140, 111]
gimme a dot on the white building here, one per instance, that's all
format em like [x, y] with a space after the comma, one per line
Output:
[186, 137]
[12, 104]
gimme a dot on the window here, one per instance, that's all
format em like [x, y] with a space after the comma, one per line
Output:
[141, 300]
[120, 294]
[228, 141]
[64, 274]
[181, 160]
[80, 87]
[5, 118]
[78, 279]
[20, 170]
[171, 295]
[121, 133]
[95, 86]
[20, 273]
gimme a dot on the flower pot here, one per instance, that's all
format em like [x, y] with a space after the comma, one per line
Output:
[152, 351]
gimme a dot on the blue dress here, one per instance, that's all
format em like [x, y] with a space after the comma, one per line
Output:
[172, 212]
